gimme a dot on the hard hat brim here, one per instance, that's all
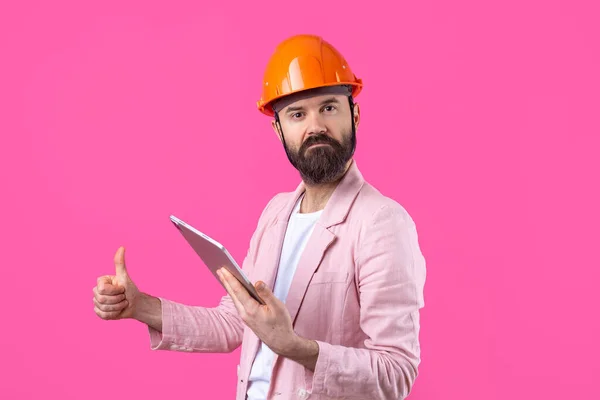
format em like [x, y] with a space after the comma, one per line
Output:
[266, 107]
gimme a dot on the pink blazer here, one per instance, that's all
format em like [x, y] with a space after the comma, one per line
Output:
[357, 292]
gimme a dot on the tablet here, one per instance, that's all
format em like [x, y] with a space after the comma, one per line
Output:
[214, 255]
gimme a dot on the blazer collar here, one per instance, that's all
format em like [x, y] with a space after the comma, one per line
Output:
[339, 203]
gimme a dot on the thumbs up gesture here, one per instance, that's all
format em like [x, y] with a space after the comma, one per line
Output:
[115, 295]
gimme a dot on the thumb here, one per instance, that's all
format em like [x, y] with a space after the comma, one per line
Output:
[120, 267]
[264, 292]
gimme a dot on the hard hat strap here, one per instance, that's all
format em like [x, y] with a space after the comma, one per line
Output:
[351, 102]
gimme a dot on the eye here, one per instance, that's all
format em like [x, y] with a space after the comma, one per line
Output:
[329, 108]
[297, 115]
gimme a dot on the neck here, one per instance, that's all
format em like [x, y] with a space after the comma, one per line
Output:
[317, 196]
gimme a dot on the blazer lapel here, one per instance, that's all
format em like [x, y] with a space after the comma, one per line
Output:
[269, 262]
[274, 237]
[311, 257]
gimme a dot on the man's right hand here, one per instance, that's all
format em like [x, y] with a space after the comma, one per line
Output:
[116, 296]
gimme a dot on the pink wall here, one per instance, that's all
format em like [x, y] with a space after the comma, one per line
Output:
[480, 117]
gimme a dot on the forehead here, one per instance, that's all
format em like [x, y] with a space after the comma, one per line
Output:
[314, 101]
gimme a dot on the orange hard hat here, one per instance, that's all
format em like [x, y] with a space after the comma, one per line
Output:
[304, 62]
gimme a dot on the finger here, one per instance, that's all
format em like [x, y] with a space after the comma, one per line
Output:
[238, 305]
[238, 289]
[248, 304]
[111, 307]
[106, 315]
[108, 288]
[104, 279]
[108, 299]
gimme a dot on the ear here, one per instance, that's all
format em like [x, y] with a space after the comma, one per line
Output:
[356, 115]
[276, 129]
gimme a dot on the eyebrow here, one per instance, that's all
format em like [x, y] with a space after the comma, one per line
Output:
[326, 101]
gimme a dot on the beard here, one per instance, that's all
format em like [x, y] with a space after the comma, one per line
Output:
[322, 164]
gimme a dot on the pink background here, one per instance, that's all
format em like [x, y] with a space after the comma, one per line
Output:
[480, 117]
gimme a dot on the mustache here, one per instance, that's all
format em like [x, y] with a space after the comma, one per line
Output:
[318, 139]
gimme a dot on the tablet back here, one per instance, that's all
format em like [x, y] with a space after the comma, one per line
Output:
[213, 254]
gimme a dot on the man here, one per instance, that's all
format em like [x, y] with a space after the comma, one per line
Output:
[337, 263]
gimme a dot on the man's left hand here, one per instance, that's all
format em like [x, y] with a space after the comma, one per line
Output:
[270, 322]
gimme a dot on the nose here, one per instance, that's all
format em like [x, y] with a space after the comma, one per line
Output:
[316, 124]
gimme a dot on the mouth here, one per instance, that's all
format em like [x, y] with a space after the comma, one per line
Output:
[318, 144]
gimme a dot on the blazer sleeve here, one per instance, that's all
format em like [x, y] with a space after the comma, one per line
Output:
[391, 278]
[198, 329]
[205, 330]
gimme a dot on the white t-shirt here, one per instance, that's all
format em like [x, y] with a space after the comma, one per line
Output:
[298, 232]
